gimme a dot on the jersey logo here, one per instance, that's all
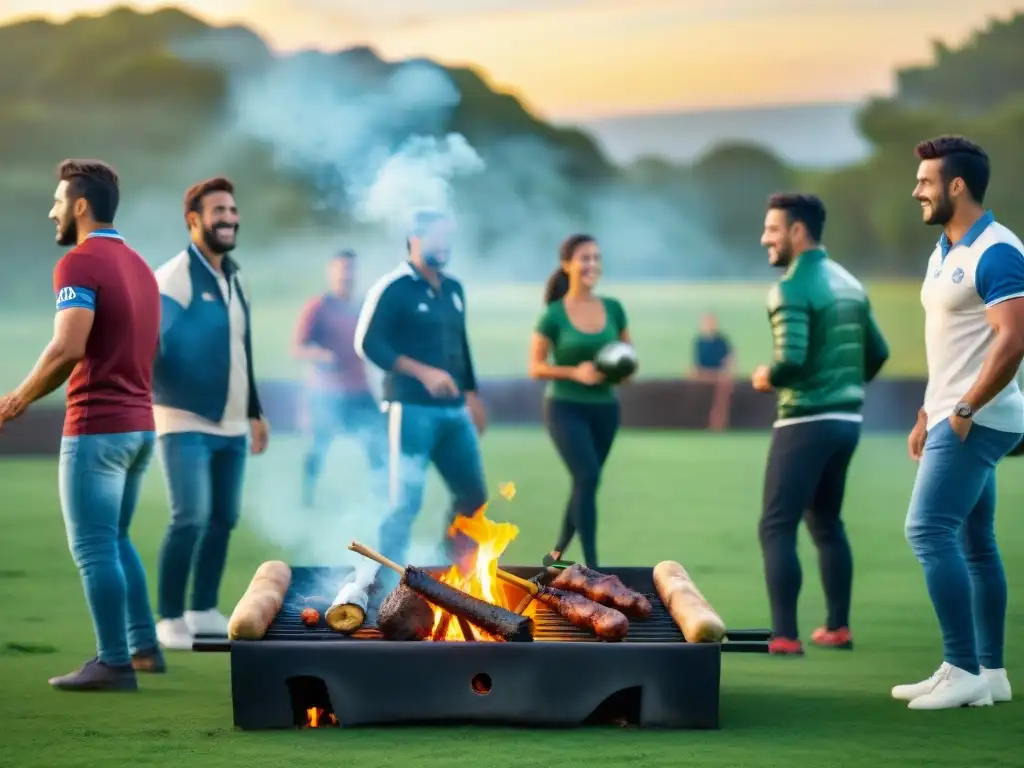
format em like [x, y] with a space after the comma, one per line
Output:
[958, 275]
[457, 301]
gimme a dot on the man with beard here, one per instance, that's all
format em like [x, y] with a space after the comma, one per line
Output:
[827, 347]
[105, 336]
[337, 396]
[412, 327]
[972, 416]
[206, 404]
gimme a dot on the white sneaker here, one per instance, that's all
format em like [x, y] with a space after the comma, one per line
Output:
[954, 687]
[999, 683]
[174, 635]
[211, 622]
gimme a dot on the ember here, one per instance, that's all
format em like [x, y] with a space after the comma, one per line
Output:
[480, 580]
[315, 718]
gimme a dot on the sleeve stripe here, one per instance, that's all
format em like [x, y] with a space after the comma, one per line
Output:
[75, 297]
[370, 305]
[1001, 299]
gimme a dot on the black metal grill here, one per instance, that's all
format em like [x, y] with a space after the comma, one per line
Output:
[566, 677]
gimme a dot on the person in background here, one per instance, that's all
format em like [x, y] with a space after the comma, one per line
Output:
[713, 364]
[972, 416]
[105, 337]
[412, 328]
[337, 398]
[208, 412]
[826, 348]
[581, 410]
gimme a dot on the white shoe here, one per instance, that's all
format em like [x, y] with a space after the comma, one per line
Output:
[954, 687]
[999, 683]
[174, 635]
[211, 622]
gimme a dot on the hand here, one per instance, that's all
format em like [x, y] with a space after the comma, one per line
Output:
[761, 380]
[918, 435]
[11, 407]
[960, 425]
[477, 412]
[586, 373]
[438, 383]
[260, 431]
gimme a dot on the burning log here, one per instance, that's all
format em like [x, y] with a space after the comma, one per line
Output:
[404, 615]
[492, 619]
[604, 589]
[605, 622]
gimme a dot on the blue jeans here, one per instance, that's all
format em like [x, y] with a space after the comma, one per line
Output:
[204, 476]
[100, 477]
[419, 435]
[951, 529]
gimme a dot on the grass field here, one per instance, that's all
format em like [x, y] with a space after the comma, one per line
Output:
[663, 319]
[685, 497]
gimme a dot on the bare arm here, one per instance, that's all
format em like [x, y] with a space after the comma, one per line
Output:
[539, 367]
[1004, 357]
[71, 329]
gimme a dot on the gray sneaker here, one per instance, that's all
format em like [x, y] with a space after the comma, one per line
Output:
[95, 675]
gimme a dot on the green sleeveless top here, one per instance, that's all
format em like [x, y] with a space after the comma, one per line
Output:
[570, 347]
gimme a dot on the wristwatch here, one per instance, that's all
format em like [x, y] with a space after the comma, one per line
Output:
[964, 410]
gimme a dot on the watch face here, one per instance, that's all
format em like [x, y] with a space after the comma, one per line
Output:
[963, 410]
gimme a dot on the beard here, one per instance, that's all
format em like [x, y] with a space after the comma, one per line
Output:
[783, 255]
[68, 233]
[214, 243]
[942, 212]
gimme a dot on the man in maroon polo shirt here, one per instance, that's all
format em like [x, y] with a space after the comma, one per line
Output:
[337, 397]
[105, 338]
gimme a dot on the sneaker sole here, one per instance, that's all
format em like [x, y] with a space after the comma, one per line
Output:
[848, 646]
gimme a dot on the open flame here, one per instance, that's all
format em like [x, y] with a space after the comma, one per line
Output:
[315, 718]
[480, 579]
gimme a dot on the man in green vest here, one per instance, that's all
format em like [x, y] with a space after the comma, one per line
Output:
[826, 348]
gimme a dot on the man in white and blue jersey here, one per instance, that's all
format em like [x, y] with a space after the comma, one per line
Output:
[973, 415]
[412, 328]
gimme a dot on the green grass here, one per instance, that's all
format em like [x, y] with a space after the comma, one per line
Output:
[685, 497]
[663, 320]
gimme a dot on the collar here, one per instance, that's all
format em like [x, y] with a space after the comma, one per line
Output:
[417, 275]
[110, 234]
[230, 266]
[970, 236]
[808, 256]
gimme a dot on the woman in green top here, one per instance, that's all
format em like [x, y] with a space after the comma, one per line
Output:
[581, 410]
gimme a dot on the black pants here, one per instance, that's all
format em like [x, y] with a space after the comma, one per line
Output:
[583, 433]
[806, 479]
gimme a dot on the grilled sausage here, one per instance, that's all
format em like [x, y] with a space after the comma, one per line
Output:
[607, 623]
[603, 589]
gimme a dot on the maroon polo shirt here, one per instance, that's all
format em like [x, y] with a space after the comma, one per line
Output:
[329, 322]
[110, 390]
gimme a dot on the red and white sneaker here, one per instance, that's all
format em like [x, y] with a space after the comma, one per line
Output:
[783, 646]
[833, 638]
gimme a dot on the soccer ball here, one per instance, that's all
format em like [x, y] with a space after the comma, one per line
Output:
[616, 360]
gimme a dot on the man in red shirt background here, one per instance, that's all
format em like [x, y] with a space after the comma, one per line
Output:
[337, 397]
[105, 338]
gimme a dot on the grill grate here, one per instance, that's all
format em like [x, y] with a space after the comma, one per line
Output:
[549, 626]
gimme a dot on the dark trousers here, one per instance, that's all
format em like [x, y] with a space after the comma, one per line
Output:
[583, 433]
[805, 479]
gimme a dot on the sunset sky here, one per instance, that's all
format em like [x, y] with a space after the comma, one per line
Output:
[583, 58]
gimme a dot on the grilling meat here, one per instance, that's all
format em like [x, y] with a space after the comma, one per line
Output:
[603, 589]
[607, 623]
[404, 615]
